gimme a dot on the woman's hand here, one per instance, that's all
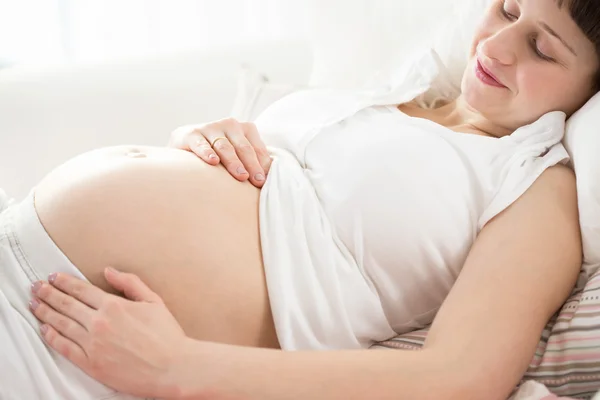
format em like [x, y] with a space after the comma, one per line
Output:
[127, 345]
[236, 145]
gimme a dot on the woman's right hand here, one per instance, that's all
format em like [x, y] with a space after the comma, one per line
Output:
[236, 145]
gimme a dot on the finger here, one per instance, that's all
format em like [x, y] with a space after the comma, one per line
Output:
[247, 156]
[201, 147]
[78, 288]
[191, 138]
[259, 146]
[67, 327]
[64, 304]
[224, 148]
[131, 286]
[64, 346]
[177, 139]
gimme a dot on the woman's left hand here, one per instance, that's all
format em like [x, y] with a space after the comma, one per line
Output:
[127, 345]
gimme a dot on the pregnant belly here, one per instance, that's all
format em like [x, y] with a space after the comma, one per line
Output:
[189, 230]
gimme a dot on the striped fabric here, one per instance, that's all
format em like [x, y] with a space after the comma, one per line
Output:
[567, 359]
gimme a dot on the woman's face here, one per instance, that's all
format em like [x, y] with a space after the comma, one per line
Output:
[539, 58]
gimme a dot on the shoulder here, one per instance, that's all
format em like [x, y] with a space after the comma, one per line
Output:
[541, 228]
[557, 183]
[547, 211]
[552, 195]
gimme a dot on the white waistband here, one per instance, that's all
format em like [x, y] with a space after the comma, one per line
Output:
[41, 253]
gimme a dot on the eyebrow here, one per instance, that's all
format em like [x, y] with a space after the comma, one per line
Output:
[553, 33]
[556, 35]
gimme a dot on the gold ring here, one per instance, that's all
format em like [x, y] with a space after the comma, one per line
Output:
[215, 141]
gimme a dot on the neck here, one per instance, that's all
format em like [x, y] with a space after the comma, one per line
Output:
[461, 117]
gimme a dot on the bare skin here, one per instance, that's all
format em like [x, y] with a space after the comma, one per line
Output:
[519, 277]
[186, 228]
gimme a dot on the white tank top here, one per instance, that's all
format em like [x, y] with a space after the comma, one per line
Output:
[368, 214]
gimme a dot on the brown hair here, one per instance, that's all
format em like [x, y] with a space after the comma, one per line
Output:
[586, 14]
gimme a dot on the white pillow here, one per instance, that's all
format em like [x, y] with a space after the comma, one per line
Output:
[582, 141]
[452, 40]
[255, 93]
[582, 138]
[355, 40]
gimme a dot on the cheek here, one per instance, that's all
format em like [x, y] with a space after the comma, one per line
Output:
[533, 84]
[545, 90]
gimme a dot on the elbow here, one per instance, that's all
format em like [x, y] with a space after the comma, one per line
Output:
[469, 380]
[462, 389]
[476, 391]
[489, 385]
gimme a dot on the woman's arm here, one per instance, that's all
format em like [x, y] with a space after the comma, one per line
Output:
[520, 270]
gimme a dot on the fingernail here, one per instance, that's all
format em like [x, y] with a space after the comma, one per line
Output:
[35, 286]
[112, 270]
[44, 329]
[33, 304]
[241, 171]
[259, 177]
[212, 156]
[52, 277]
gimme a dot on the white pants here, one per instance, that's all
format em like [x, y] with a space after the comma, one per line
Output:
[29, 369]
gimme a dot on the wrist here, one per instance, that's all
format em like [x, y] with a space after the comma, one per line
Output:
[183, 378]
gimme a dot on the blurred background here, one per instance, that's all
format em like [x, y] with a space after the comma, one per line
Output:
[51, 32]
[76, 75]
[88, 31]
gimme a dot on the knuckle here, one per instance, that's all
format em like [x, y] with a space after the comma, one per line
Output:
[238, 167]
[196, 133]
[112, 306]
[65, 303]
[182, 134]
[42, 311]
[232, 124]
[203, 145]
[97, 364]
[251, 126]
[262, 152]
[99, 325]
[77, 291]
[246, 148]
[63, 324]
[222, 145]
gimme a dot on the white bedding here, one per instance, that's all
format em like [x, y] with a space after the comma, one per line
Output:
[536, 391]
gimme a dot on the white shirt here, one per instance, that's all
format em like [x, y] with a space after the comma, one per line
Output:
[368, 214]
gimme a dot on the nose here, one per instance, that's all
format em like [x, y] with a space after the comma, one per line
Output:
[500, 47]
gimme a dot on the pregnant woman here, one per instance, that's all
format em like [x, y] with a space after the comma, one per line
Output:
[379, 212]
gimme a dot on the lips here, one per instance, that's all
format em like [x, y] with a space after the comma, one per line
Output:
[486, 76]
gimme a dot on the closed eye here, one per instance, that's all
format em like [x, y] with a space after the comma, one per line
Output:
[537, 51]
[506, 14]
[510, 17]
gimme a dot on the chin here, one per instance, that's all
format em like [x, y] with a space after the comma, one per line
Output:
[473, 95]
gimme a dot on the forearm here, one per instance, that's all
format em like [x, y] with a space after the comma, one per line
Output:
[250, 373]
